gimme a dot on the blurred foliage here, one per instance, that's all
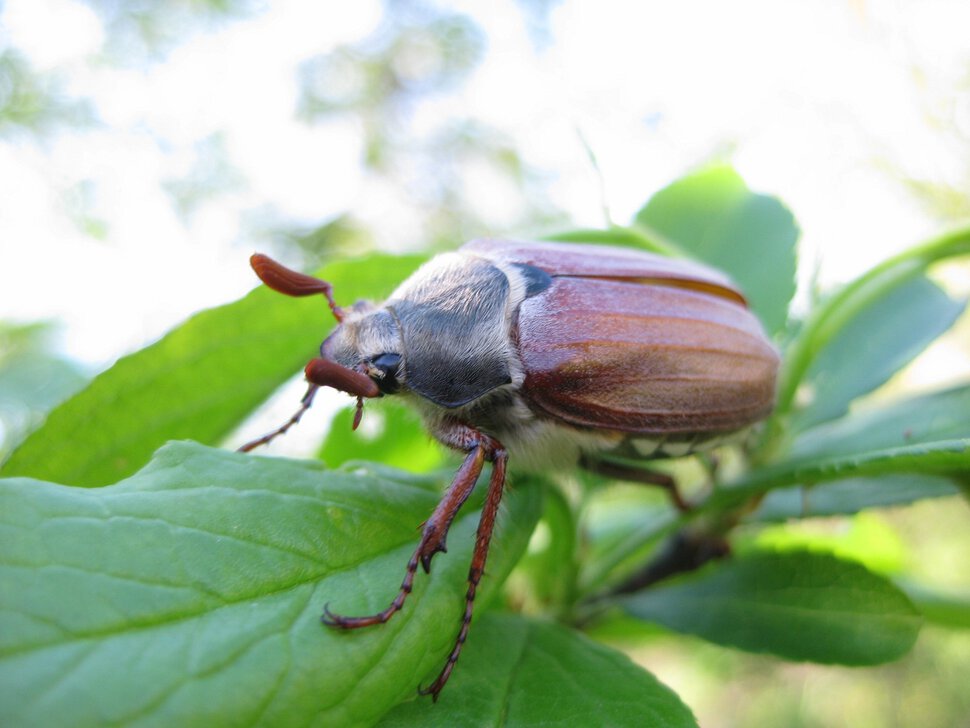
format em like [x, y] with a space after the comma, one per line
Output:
[938, 179]
[210, 176]
[34, 103]
[417, 54]
[142, 31]
[32, 380]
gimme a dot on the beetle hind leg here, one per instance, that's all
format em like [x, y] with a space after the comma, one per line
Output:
[636, 474]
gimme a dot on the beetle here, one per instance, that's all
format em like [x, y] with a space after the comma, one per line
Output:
[548, 354]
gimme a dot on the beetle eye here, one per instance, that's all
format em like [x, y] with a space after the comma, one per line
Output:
[388, 363]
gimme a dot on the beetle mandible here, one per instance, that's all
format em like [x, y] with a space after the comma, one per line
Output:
[550, 354]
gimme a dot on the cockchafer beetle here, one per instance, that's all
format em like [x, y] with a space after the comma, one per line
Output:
[551, 354]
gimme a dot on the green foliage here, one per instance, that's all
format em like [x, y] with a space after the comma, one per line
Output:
[194, 585]
[715, 217]
[194, 590]
[797, 605]
[199, 381]
[32, 380]
[526, 672]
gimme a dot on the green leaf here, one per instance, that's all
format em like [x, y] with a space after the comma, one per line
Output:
[797, 605]
[190, 594]
[389, 433]
[927, 435]
[623, 236]
[544, 580]
[199, 381]
[837, 311]
[930, 418]
[713, 215]
[866, 538]
[844, 497]
[885, 335]
[946, 457]
[522, 672]
[949, 609]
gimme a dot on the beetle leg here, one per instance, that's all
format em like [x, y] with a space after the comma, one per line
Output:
[432, 541]
[486, 524]
[622, 471]
[304, 406]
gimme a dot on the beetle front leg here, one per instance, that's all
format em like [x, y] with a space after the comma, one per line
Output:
[432, 540]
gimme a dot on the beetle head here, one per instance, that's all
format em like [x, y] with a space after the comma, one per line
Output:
[360, 357]
[368, 341]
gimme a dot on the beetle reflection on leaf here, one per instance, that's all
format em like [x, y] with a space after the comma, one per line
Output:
[548, 354]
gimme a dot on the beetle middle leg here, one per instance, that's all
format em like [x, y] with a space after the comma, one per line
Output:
[625, 471]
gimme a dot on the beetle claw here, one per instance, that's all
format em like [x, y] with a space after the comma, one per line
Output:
[434, 689]
[426, 558]
[329, 618]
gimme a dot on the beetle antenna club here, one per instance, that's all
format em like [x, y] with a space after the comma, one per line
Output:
[546, 354]
[290, 282]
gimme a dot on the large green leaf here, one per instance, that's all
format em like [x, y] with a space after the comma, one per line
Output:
[884, 336]
[798, 605]
[714, 216]
[522, 672]
[190, 594]
[199, 381]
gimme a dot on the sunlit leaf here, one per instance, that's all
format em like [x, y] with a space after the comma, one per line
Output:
[522, 672]
[713, 215]
[929, 418]
[927, 435]
[190, 594]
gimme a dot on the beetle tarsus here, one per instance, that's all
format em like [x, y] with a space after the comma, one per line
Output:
[426, 557]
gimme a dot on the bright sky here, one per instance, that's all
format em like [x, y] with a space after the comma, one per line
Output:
[822, 103]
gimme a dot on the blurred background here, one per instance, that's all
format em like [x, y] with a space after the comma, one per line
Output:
[146, 149]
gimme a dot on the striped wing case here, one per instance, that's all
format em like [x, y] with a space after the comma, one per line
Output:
[629, 341]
